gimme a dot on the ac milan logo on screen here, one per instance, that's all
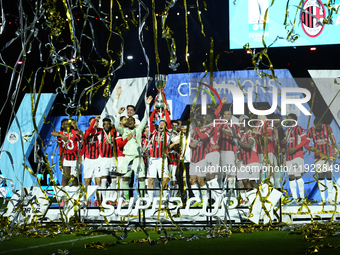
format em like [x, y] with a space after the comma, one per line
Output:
[312, 17]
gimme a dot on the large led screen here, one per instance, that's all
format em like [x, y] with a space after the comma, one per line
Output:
[305, 23]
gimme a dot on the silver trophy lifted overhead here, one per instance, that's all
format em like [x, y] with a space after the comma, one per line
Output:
[161, 80]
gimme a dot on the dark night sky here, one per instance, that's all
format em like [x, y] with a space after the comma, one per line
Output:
[216, 25]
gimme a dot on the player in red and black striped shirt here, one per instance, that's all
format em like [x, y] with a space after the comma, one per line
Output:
[156, 147]
[198, 150]
[208, 166]
[159, 144]
[228, 148]
[106, 140]
[323, 140]
[295, 139]
[174, 156]
[90, 151]
[156, 143]
[90, 140]
[265, 136]
[324, 145]
[249, 171]
[107, 151]
[69, 151]
[145, 142]
[197, 157]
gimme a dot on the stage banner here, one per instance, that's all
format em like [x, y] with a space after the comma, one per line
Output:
[20, 140]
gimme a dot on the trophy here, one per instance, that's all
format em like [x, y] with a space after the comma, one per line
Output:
[160, 100]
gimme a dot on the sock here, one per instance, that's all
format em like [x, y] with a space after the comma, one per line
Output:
[165, 194]
[146, 183]
[220, 180]
[240, 193]
[322, 190]
[174, 190]
[141, 187]
[292, 185]
[125, 185]
[103, 185]
[301, 184]
[95, 194]
[196, 192]
[329, 184]
[156, 185]
[277, 180]
[66, 189]
[204, 192]
[83, 198]
[150, 194]
[251, 195]
[113, 183]
[121, 193]
[213, 184]
[232, 185]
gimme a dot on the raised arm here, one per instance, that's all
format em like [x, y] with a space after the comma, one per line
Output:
[117, 121]
[90, 128]
[168, 120]
[58, 134]
[115, 102]
[145, 118]
[152, 115]
[219, 108]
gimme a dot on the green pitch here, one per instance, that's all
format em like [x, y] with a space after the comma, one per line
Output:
[320, 238]
[259, 241]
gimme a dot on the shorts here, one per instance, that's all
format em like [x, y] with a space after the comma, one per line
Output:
[212, 162]
[155, 166]
[173, 170]
[116, 169]
[270, 166]
[197, 169]
[137, 166]
[260, 158]
[73, 165]
[106, 165]
[228, 162]
[120, 164]
[323, 166]
[250, 171]
[295, 167]
[91, 168]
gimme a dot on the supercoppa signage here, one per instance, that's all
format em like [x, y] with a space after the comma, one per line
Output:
[238, 100]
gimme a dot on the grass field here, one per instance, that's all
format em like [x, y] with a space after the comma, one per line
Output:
[257, 242]
[250, 240]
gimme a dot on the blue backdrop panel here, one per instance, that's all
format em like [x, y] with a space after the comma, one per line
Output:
[19, 142]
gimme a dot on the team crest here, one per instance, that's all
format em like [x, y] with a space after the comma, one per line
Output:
[312, 17]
